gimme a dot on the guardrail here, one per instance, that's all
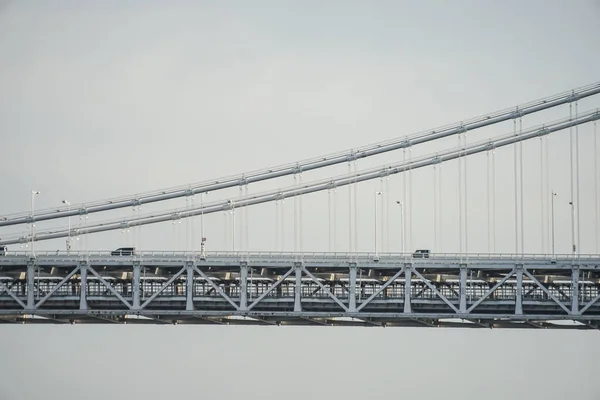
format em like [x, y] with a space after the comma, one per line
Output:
[325, 255]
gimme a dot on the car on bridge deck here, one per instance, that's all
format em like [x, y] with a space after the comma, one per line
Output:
[123, 251]
[421, 254]
[3, 250]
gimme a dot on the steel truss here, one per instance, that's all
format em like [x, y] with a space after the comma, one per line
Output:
[310, 289]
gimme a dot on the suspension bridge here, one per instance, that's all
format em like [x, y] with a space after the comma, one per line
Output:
[371, 275]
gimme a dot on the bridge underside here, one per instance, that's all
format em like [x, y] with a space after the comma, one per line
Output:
[284, 289]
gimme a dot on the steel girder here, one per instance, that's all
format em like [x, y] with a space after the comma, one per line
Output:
[442, 291]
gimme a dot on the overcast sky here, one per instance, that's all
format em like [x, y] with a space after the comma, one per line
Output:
[105, 99]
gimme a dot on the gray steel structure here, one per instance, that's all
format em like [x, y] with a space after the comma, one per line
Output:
[451, 290]
[315, 163]
[271, 196]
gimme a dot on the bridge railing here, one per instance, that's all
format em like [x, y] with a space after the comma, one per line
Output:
[431, 258]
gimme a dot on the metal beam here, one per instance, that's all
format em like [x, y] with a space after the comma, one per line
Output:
[269, 290]
[244, 286]
[437, 292]
[381, 289]
[163, 287]
[496, 286]
[298, 288]
[56, 287]
[109, 287]
[547, 291]
[519, 291]
[189, 286]
[325, 289]
[83, 285]
[11, 294]
[217, 288]
[575, 291]
[352, 291]
[463, 290]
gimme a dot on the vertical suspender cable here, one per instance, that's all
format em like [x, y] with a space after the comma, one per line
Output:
[329, 216]
[410, 198]
[334, 218]
[572, 181]
[435, 234]
[577, 203]
[494, 201]
[441, 210]
[282, 222]
[522, 188]
[350, 209]
[460, 199]
[382, 217]
[487, 170]
[301, 232]
[295, 217]
[387, 213]
[596, 184]
[277, 225]
[548, 211]
[516, 190]
[542, 195]
[242, 215]
[404, 178]
[246, 211]
[355, 209]
[466, 175]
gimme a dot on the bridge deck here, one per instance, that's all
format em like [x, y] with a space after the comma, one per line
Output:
[299, 289]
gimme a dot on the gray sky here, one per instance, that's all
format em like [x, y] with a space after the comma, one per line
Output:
[105, 99]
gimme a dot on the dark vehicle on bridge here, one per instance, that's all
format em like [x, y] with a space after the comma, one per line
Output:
[421, 254]
[3, 250]
[123, 251]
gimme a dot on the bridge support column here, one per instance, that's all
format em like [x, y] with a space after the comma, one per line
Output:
[407, 287]
[136, 285]
[575, 291]
[298, 288]
[519, 294]
[189, 286]
[352, 294]
[463, 289]
[244, 286]
[30, 284]
[83, 270]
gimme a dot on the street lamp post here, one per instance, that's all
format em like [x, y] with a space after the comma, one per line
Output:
[69, 236]
[573, 248]
[376, 248]
[33, 193]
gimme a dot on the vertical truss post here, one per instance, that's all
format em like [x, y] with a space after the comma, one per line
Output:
[519, 294]
[136, 285]
[575, 291]
[30, 284]
[352, 294]
[244, 286]
[83, 285]
[189, 286]
[463, 289]
[407, 287]
[298, 287]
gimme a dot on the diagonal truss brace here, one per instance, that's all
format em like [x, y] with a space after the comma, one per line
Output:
[434, 290]
[217, 288]
[381, 289]
[588, 305]
[546, 291]
[3, 288]
[163, 287]
[109, 287]
[325, 289]
[60, 284]
[492, 290]
[266, 293]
